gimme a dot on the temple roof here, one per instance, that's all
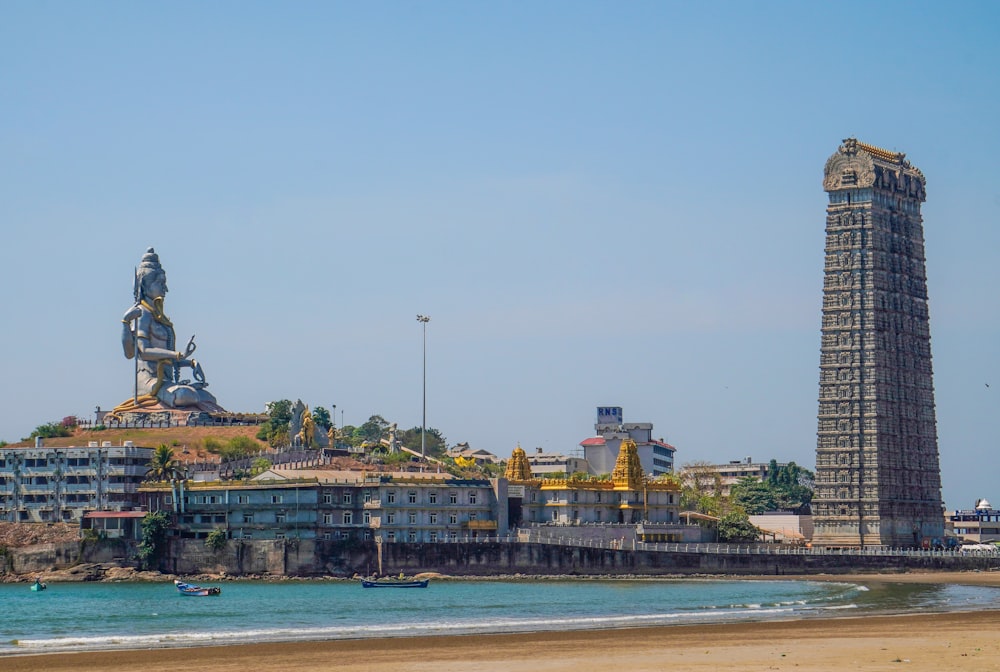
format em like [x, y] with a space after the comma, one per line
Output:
[518, 468]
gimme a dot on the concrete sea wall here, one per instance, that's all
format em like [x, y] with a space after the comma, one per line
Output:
[311, 557]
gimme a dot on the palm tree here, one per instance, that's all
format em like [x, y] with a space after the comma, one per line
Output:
[163, 466]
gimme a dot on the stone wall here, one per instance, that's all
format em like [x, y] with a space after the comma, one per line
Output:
[308, 557]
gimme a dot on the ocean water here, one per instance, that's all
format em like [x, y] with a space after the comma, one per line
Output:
[88, 616]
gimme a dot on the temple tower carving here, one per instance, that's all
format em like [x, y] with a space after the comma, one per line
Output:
[878, 479]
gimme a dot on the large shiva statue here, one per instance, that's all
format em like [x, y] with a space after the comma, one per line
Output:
[148, 337]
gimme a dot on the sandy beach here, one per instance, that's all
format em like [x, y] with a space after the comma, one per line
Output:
[947, 641]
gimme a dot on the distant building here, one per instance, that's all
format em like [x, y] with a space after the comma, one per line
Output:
[601, 451]
[336, 505]
[547, 464]
[980, 524]
[723, 477]
[44, 485]
[878, 478]
[480, 455]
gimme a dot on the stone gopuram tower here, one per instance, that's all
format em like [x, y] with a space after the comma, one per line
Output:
[878, 481]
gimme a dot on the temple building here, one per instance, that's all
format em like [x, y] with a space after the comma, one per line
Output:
[878, 479]
[629, 498]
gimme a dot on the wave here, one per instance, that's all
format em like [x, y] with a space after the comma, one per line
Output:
[411, 629]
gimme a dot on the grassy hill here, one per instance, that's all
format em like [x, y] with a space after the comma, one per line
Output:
[188, 442]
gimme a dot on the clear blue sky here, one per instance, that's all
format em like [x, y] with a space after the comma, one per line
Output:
[597, 203]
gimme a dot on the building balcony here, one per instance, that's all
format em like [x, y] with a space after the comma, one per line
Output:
[479, 525]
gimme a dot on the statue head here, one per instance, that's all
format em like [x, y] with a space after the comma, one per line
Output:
[150, 278]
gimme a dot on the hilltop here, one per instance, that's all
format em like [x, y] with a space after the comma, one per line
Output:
[188, 442]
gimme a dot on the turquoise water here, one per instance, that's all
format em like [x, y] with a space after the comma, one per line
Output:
[86, 616]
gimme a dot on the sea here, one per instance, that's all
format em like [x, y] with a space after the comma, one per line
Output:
[102, 616]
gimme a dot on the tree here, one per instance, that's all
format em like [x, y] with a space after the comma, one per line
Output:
[736, 527]
[163, 466]
[753, 495]
[50, 430]
[154, 538]
[321, 417]
[280, 411]
[702, 488]
[436, 444]
[372, 431]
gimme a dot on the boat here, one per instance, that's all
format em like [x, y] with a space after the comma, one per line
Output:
[196, 591]
[38, 586]
[395, 583]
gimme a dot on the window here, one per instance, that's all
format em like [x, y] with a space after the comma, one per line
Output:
[279, 535]
[413, 518]
[453, 498]
[472, 516]
[348, 518]
[280, 517]
[328, 519]
[347, 498]
[391, 536]
[433, 518]
[168, 499]
[453, 518]
[597, 497]
[433, 498]
[434, 537]
[327, 498]
[413, 536]
[366, 518]
[390, 519]
[368, 496]
[453, 536]
[242, 499]
[472, 498]
[390, 497]
[411, 497]
[277, 499]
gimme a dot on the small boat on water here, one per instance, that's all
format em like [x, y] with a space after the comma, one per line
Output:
[196, 591]
[395, 583]
[38, 586]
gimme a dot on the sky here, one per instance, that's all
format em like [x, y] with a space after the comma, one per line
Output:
[596, 203]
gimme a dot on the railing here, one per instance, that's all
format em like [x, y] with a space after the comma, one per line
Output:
[538, 537]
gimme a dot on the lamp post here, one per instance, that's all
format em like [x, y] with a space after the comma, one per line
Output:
[424, 319]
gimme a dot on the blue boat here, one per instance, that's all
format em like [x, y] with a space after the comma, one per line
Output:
[192, 590]
[38, 586]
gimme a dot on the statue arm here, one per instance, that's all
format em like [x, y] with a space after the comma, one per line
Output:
[153, 354]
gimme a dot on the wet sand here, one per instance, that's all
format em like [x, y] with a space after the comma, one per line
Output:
[951, 641]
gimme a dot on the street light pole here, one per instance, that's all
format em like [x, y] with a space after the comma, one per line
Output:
[424, 319]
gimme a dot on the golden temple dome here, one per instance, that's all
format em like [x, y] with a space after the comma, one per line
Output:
[518, 468]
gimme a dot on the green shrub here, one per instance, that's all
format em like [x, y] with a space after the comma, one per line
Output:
[216, 539]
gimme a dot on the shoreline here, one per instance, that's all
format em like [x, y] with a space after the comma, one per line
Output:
[955, 639]
[934, 641]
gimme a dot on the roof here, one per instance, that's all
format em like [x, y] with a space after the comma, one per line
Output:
[884, 154]
[115, 514]
[593, 441]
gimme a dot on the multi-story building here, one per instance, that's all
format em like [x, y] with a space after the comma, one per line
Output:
[280, 509]
[980, 524]
[555, 464]
[43, 484]
[878, 478]
[329, 504]
[429, 507]
[601, 451]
